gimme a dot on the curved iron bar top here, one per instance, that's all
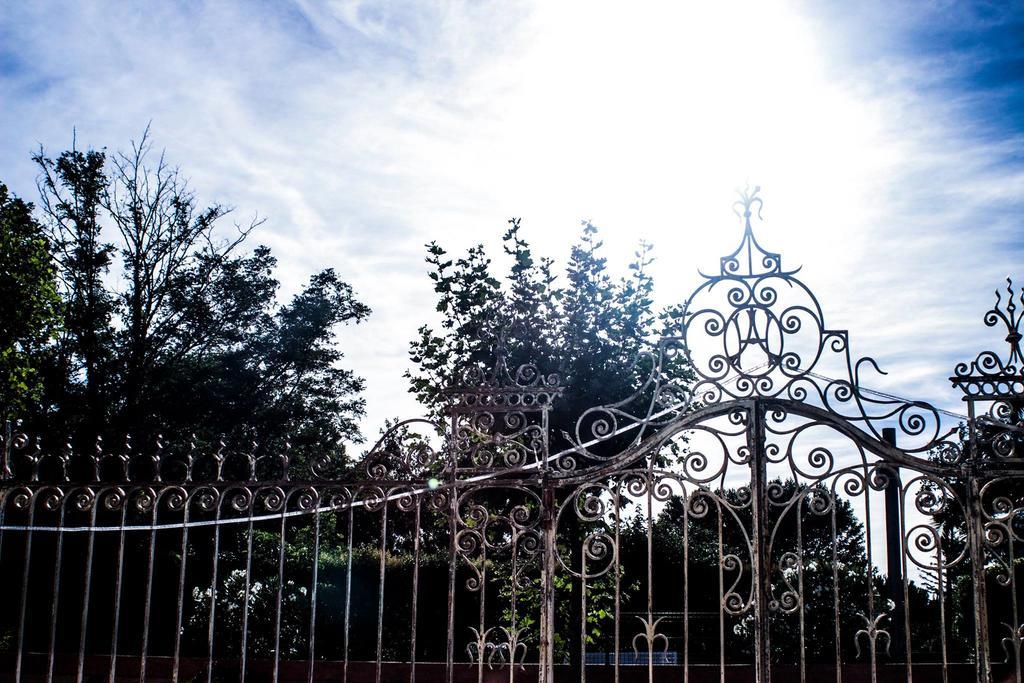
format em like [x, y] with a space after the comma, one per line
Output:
[751, 331]
[751, 423]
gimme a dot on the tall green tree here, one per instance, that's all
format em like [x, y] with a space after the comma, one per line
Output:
[71, 189]
[172, 256]
[170, 324]
[28, 303]
[589, 326]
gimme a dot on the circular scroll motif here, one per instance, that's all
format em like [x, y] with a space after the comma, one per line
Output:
[764, 330]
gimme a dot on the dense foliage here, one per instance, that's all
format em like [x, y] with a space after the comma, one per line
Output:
[588, 326]
[127, 305]
[28, 303]
[165, 321]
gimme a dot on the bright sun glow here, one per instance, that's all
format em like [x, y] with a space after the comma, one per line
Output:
[646, 121]
[643, 120]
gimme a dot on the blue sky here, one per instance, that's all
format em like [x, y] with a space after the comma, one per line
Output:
[888, 139]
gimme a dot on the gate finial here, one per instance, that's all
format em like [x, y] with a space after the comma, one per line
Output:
[990, 377]
[748, 198]
[997, 384]
[749, 259]
[1012, 319]
[499, 414]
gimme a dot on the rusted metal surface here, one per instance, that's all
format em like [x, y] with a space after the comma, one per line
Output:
[753, 511]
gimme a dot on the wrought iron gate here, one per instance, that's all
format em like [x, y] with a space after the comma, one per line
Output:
[753, 510]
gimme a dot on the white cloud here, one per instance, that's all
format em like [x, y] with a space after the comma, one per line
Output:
[362, 131]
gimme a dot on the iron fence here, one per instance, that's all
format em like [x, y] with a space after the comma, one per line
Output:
[752, 510]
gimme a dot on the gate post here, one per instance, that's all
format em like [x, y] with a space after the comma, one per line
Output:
[976, 541]
[453, 529]
[546, 655]
[760, 564]
[976, 533]
[993, 382]
[894, 553]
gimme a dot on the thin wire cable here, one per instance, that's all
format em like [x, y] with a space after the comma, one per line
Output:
[353, 504]
[423, 489]
[891, 397]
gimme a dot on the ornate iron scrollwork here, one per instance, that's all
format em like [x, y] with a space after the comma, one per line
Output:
[995, 384]
[755, 331]
[499, 415]
[750, 424]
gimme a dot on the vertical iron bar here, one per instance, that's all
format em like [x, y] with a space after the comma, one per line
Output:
[4, 496]
[380, 587]
[894, 549]
[583, 615]
[213, 593]
[176, 666]
[941, 585]
[24, 586]
[618, 577]
[280, 588]
[55, 598]
[245, 602]
[513, 604]
[453, 516]
[760, 574]
[546, 655]
[313, 592]
[116, 626]
[86, 589]
[868, 547]
[907, 649]
[348, 587]
[686, 587]
[800, 588]
[452, 560]
[483, 604]
[976, 542]
[835, 583]
[415, 593]
[1013, 594]
[976, 535]
[650, 572]
[547, 587]
[721, 588]
[148, 599]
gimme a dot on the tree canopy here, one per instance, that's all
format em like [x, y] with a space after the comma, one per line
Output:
[587, 326]
[144, 311]
[29, 305]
